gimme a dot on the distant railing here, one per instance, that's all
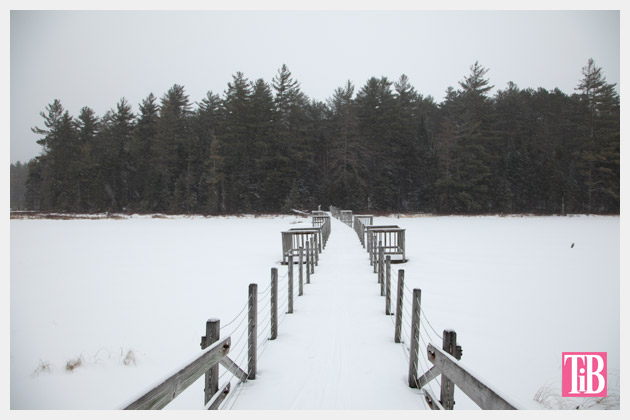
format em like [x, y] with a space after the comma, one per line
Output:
[361, 221]
[386, 241]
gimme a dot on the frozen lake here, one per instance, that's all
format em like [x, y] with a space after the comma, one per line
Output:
[129, 298]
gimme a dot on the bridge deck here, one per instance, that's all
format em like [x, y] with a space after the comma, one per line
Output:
[336, 351]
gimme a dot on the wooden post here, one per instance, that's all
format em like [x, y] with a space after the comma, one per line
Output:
[252, 330]
[301, 282]
[447, 394]
[388, 281]
[308, 263]
[399, 305]
[301, 265]
[290, 286]
[311, 253]
[381, 268]
[213, 333]
[415, 339]
[274, 303]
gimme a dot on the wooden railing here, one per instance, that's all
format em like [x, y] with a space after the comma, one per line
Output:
[217, 349]
[361, 221]
[390, 237]
[445, 361]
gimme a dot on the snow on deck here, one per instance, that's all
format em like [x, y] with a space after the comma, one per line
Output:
[337, 350]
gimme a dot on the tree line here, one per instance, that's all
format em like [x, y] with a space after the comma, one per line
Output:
[263, 147]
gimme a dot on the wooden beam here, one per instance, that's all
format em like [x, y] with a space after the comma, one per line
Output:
[428, 376]
[218, 398]
[229, 364]
[476, 390]
[158, 397]
[433, 402]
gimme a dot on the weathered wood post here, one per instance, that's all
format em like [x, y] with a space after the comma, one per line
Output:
[308, 262]
[252, 330]
[311, 254]
[375, 250]
[301, 280]
[369, 247]
[301, 265]
[449, 345]
[290, 286]
[415, 339]
[274, 303]
[388, 282]
[213, 333]
[381, 268]
[399, 305]
[316, 249]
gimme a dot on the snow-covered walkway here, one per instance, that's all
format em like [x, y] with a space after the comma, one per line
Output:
[336, 351]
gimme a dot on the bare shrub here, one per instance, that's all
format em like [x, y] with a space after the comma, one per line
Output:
[72, 364]
[130, 358]
[43, 367]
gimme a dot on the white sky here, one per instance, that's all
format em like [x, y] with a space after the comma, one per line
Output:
[94, 58]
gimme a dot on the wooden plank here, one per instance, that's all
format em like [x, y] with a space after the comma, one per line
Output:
[158, 397]
[218, 398]
[433, 402]
[229, 364]
[476, 390]
[428, 376]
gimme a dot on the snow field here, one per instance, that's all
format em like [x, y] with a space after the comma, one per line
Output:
[101, 290]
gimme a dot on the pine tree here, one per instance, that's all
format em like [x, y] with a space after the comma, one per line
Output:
[61, 153]
[112, 148]
[599, 155]
[348, 171]
[145, 185]
[235, 141]
[87, 166]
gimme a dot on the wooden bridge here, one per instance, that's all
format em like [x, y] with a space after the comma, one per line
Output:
[321, 320]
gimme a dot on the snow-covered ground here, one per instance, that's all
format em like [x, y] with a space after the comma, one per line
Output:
[129, 299]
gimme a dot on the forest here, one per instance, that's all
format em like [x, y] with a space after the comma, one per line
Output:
[267, 147]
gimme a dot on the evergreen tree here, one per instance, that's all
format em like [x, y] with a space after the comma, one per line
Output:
[599, 157]
[112, 147]
[87, 165]
[18, 179]
[235, 142]
[61, 153]
[347, 158]
[145, 180]
[206, 124]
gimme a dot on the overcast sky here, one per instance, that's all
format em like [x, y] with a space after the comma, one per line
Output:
[94, 58]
